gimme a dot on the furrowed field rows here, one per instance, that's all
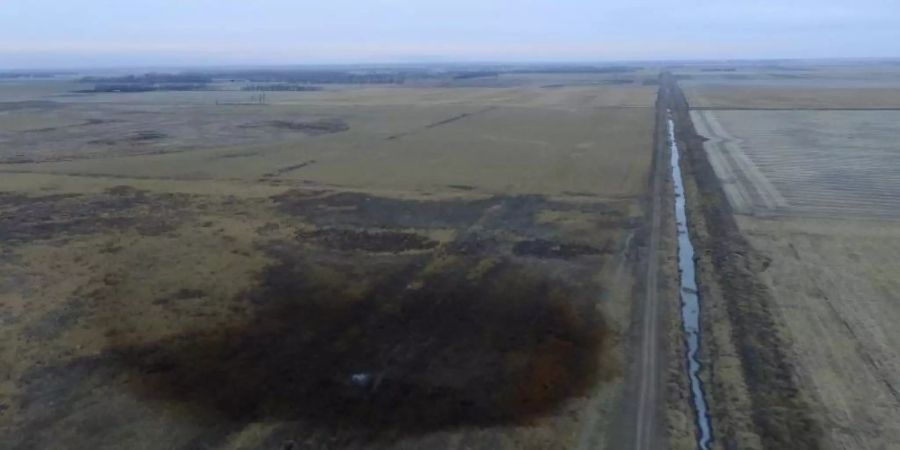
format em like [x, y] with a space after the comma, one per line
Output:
[809, 163]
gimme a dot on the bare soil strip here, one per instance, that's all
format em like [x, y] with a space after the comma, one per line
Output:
[649, 374]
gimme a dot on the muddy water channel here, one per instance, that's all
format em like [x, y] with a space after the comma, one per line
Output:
[690, 301]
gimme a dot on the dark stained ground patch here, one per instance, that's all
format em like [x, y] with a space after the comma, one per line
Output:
[508, 213]
[542, 248]
[368, 241]
[453, 351]
[415, 351]
[287, 169]
[309, 127]
[138, 137]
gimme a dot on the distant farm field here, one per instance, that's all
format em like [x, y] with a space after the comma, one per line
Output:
[821, 163]
[399, 138]
[773, 95]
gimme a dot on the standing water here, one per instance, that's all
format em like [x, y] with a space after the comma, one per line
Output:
[690, 302]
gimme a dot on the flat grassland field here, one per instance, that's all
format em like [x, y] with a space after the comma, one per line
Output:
[394, 267]
[817, 193]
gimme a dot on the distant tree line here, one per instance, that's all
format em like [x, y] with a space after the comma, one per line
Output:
[478, 74]
[311, 76]
[153, 78]
[143, 87]
[280, 87]
[300, 79]
[577, 69]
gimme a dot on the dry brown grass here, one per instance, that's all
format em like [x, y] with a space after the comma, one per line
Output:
[453, 180]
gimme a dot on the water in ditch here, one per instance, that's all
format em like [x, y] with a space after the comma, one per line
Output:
[690, 301]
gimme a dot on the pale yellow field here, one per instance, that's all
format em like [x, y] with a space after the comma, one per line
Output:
[836, 287]
[561, 140]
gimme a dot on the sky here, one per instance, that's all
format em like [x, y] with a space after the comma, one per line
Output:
[111, 33]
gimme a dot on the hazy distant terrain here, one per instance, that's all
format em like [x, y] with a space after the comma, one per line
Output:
[401, 265]
[449, 256]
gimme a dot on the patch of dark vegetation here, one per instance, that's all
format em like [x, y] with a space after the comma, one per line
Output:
[181, 295]
[579, 194]
[86, 123]
[142, 87]
[780, 412]
[472, 244]
[577, 69]
[475, 74]
[368, 241]
[363, 210]
[138, 137]
[40, 130]
[439, 123]
[27, 218]
[509, 213]
[461, 187]
[448, 120]
[280, 87]
[142, 136]
[246, 154]
[417, 351]
[67, 392]
[100, 121]
[313, 127]
[124, 190]
[152, 78]
[315, 76]
[286, 169]
[542, 248]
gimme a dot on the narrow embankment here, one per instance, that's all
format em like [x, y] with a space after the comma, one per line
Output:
[754, 400]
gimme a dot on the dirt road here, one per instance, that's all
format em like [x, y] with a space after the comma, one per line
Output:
[646, 423]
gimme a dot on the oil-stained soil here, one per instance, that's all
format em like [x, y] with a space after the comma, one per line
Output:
[397, 359]
[372, 349]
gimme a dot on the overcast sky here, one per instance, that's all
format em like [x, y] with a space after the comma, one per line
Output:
[81, 33]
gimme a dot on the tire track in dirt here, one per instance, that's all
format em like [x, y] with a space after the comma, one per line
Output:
[645, 431]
